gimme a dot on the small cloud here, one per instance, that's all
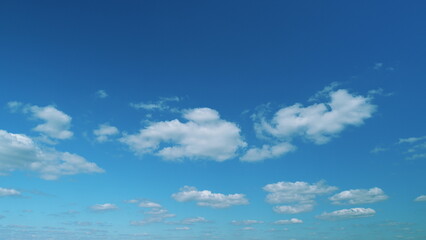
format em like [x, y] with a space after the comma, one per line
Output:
[377, 65]
[183, 228]
[294, 209]
[289, 221]
[206, 198]
[267, 152]
[359, 196]
[348, 214]
[421, 198]
[411, 139]
[160, 105]
[101, 94]
[379, 149]
[104, 132]
[149, 204]
[103, 207]
[246, 222]
[9, 192]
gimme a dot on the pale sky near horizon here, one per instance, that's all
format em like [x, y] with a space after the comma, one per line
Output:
[294, 120]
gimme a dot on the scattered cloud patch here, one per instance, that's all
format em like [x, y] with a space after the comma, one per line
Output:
[300, 194]
[103, 207]
[149, 204]
[321, 121]
[267, 152]
[359, 196]
[160, 105]
[56, 123]
[416, 147]
[183, 228]
[411, 139]
[190, 221]
[318, 122]
[348, 214]
[206, 198]
[203, 136]
[246, 222]
[421, 198]
[9, 192]
[20, 152]
[101, 94]
[104, 132]
[294, 209]
[288, 221]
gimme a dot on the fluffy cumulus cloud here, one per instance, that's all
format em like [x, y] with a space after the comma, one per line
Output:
[103, 207]
[321, 121]
[300, 194]
[267, 151]
[348, 214]
[359, 196]
[9, 192]
[56, 123]
[20, 152]
[289, 221]
[208, 199]
[421, 198]
[104, 132]
[203, 136]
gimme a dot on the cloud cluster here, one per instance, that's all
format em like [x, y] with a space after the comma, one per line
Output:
[348, 214]
[20, 152]
[8, 192]
[300, 194]
[203, 136]
[208, 199]
[319, 122]
[416, 147]
[155, 214]
[359, 196]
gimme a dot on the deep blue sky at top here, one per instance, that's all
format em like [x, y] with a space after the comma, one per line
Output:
[216, 47]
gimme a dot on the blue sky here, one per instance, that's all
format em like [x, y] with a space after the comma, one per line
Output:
[212, 120]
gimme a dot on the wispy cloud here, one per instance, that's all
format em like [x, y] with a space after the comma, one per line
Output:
[9, 192]
[103, 207]
[101, 94]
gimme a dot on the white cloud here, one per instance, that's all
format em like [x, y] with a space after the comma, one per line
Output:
[348, 214]
[160, 105]
[8, 192]
[421, 198]
[359, 196]
[149, 204]
[104, 132]
[203, 136]
[156, 215]
[293, 209]
[288, 192]
[57, 123]
[300, 194]
[246, 222]
[318, 122]
[19, 152]
[104, 207]
[190, 221]
[208, 199]
[266, 152]
[289, 221]
[101, 94]
[411, 139]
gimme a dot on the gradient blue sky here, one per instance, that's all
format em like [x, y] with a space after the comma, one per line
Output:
[212, 120]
